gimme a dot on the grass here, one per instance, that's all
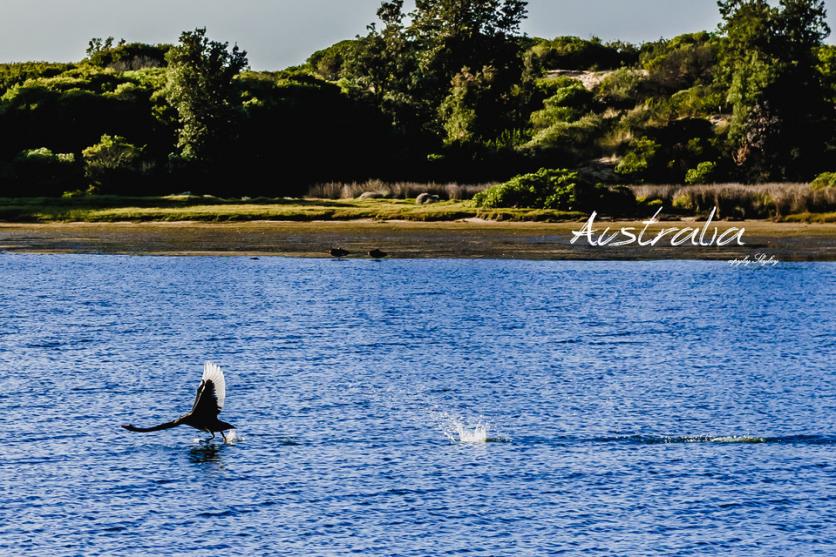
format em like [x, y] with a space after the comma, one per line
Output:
[810, 217]
[779, 202]
[397, 190]
[741, 201]
[214, 209]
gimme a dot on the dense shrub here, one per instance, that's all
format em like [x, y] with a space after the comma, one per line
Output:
[665, 152]
[574, 53]
[328, 63]
[566, 104]
[70, 112]
[639, 160]
[682, 61]
[696, 101]
[574, 96]
[559, 189]
[702, 174]
[115, 166]
[126, 56]
[43, 172]
[623, 88]
[13, 74]
[559, 139]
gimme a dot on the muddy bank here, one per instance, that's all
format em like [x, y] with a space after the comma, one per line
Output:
[789, 242]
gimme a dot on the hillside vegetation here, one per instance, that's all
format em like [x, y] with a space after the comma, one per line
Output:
[450, 92]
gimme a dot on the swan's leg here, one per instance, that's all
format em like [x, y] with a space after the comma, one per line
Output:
[224, 436]
[213, 435]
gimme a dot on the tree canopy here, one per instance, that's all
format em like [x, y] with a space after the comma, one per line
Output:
[449, 90]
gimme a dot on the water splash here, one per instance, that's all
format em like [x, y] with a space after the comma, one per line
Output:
[458, 430]
[422, 406]
[233, 436]
[476, 434]
[675, 439]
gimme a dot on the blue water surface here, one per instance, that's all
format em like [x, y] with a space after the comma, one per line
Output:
[629, 408]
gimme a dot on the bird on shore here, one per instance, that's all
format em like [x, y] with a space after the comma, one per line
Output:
[338, 252]
[377, 254]
[208, 403]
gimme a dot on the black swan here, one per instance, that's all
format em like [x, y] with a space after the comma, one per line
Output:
[208, 403]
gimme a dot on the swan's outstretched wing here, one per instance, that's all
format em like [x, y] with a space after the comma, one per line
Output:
[209, 400]
[212, 372]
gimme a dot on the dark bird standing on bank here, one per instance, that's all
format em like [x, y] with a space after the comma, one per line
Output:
[338, 252]
[208, 403]
[377, 254]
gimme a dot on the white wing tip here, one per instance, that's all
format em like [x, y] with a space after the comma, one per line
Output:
[214, 373]
[211, 367]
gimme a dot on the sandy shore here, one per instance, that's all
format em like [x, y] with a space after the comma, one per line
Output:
[471, 239]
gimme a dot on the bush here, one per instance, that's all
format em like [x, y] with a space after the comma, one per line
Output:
[17, 73]
[623, 88]
[568, 140]
[328, 63]
[566, 104]
[574, 96]
[824, 180]
[682, 61]
[702, 174]
[544, 189]
[639, 160]
[114, 166]
[126, 56]
[574, 53]
[559, 189]
[42, 172]
[697, 101]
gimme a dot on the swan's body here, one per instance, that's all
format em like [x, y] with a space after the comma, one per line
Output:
[208, 403]
[377, 254]
[339, 252]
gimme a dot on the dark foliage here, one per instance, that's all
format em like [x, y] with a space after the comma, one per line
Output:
[447, 92]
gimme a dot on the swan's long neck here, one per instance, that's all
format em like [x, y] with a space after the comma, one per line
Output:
[167, 425]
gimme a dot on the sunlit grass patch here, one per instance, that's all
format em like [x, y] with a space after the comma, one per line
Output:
[810, 217]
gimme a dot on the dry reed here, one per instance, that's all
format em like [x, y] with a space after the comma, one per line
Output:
[396, 190]
[741, 200]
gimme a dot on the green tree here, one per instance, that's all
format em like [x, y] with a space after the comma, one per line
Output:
[200, 88]
[328, 63]
[415, 61]
[781, 119]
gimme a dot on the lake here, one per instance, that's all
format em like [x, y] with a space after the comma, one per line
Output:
[418, 407]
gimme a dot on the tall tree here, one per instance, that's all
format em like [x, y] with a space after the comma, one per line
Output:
[416, 60]
[781, 122]
[200, 88]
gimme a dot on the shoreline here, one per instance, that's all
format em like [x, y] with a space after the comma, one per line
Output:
[464, 239]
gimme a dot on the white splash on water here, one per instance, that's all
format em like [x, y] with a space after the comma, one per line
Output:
[479, 434]
[725, 439]
[458, 430]
[422, 409]
[233, 436]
